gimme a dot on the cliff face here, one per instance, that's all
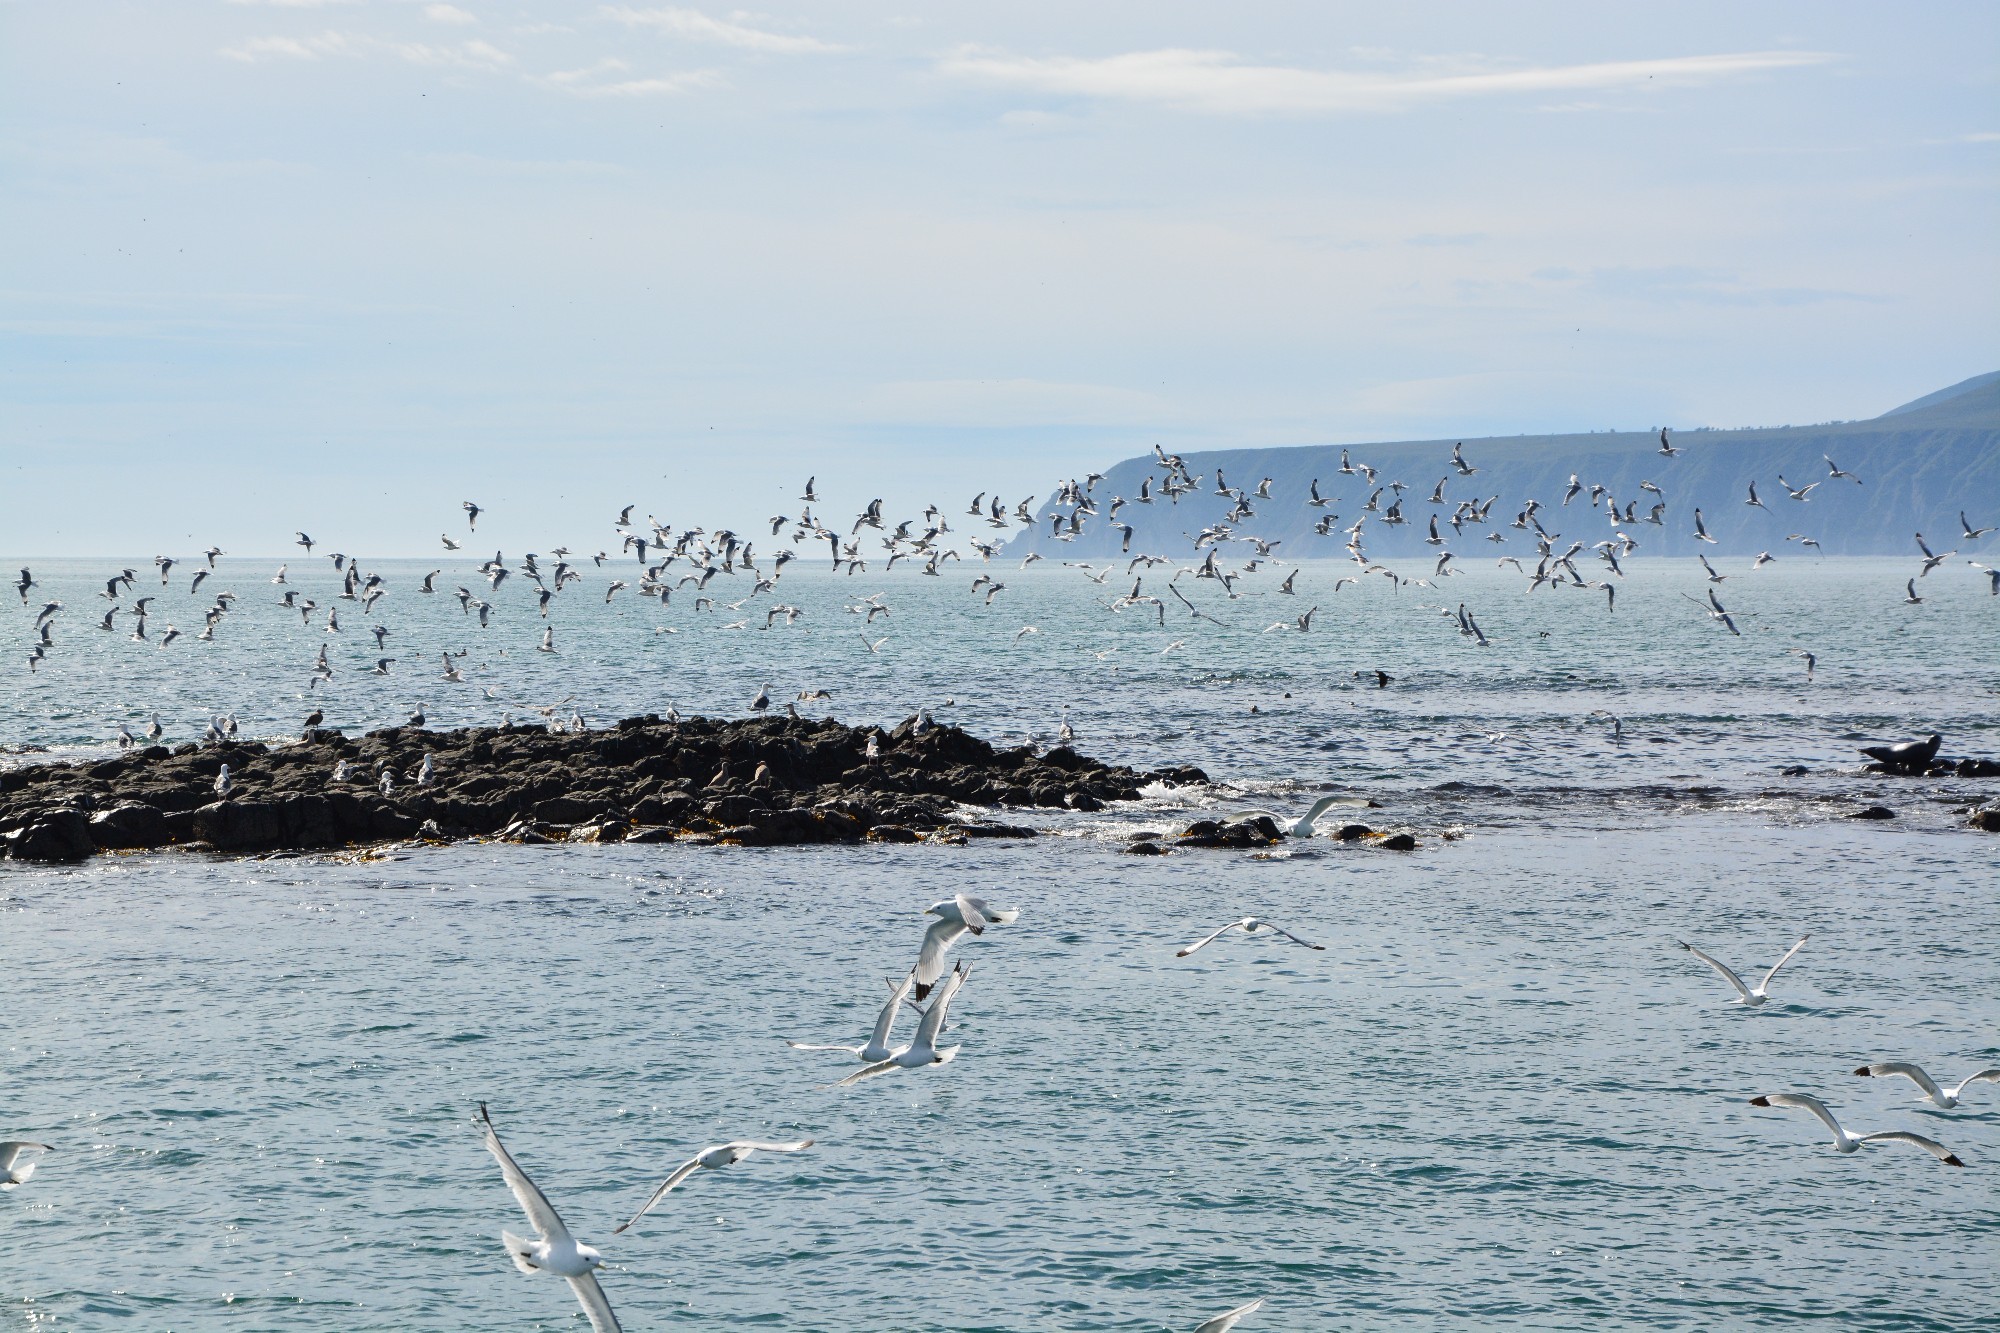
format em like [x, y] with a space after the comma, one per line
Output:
[1919, 466]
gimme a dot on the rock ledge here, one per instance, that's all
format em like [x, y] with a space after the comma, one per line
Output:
[758, 781]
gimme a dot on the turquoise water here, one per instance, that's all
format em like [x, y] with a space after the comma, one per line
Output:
[1500, 1098]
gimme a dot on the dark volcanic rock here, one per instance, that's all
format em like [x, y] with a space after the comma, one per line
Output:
[756, 781]
[58, 835]
[127, 826]
[1254, 831]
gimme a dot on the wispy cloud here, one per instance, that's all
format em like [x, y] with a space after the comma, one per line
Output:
[693, 24]
[295, 4]
[253, 49]
[608, 78]
[1683, 284]
[1220, 82]
[463, 55]
[449, 14]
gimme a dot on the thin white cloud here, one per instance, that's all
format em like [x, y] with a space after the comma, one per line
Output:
[254, 49]
[1217, 81]
[449, 14]
[295, 4]
[465, 55]
[606, 79]
[693, 24]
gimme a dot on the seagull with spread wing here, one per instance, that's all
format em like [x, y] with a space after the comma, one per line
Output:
[1750, 995]
[1938, 1095]
[554, 1250]
[956, 916]
[1249, 925]
[1846, 1142]
[923, 1050]
[714, 1159]
[877, 1046]
[17, 1161]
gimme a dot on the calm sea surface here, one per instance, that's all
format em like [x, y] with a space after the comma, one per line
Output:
[1501, 1097]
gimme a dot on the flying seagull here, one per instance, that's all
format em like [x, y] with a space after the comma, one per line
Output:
[955, 916]
[1938, 1095]
[17, 1161]
[923, 1050]
[725, 1154]
[1249, 925]
[556, 1251]
[1749, 995]
[1845, 1142]
[877, 1046]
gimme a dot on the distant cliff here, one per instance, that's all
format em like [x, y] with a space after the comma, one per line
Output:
[1918, 465]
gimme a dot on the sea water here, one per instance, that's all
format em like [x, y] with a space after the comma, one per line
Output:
[1501, 1096]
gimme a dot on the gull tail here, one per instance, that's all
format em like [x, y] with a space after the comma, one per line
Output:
[519, 1250]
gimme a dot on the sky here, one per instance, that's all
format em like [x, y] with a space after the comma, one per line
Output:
[283, 264]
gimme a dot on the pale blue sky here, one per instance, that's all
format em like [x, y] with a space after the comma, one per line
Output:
[341, 265]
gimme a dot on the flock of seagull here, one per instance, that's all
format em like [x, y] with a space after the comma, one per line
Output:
[555, 1250]
[1945, 1099]
[686, 563]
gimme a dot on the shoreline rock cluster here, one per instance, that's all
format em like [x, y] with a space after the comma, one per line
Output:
[757, 781]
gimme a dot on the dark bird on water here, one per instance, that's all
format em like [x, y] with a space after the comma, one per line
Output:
[1907, 756]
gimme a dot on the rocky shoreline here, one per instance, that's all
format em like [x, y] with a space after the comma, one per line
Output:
[758, 781]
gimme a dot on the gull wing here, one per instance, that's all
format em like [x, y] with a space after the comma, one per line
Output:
[804, 1046]
[1766, 985]
[930, 959]
[1931, 1146]
[1288, 935]
[1211, 938]
[541, 1213]
[1222, 1323]
[1983, 1076]
[16, 1151]
[933, 1023]
[886, 1020]
[1804, 1103]
[867, 1072]
[1891, 1068]
[971, 909]
[1724, 968]
[681, 1172]
[594, 1304]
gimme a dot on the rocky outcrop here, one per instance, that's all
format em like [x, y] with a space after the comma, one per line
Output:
[756, 782]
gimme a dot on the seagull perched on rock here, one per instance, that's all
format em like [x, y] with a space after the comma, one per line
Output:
[554, 1250]
[724, 1154]
[1845, 1142]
